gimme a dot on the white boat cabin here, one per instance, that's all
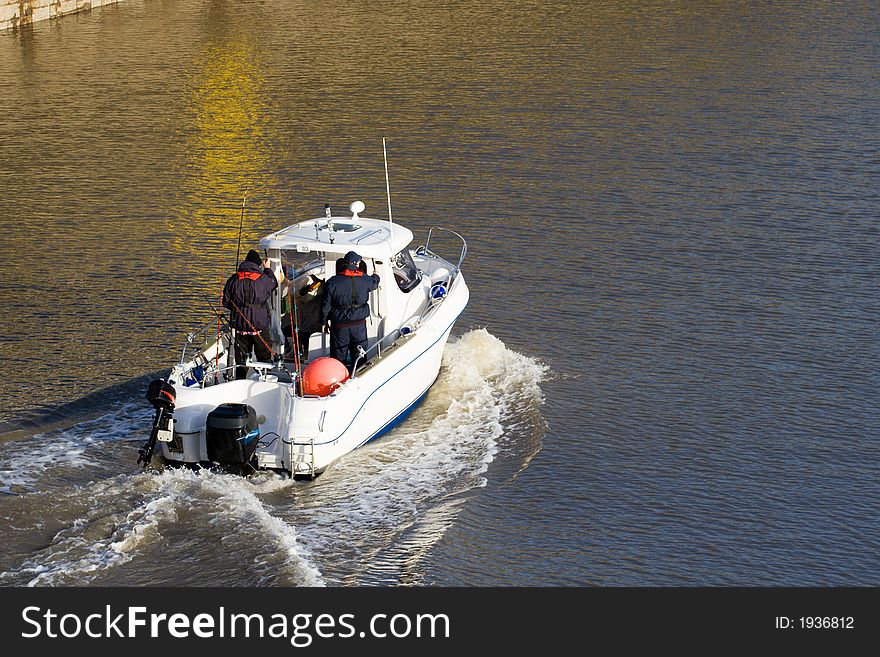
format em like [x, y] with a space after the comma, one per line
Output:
[314, 248]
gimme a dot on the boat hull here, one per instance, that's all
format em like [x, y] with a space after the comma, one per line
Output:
[304, 435]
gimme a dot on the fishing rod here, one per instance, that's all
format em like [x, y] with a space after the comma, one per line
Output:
[232, 330]
[229, 325]
[234, 267]
[251, 325]
[291, 308]
[240, 226]
[221, 321]
[217, 313]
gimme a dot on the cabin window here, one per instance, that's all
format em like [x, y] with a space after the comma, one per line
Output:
[406, 273]
[295, 263]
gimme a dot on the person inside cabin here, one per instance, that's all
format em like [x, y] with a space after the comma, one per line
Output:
[345, 308]
[246, 294]
[308, 315]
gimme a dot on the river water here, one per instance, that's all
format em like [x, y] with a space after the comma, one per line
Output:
[667, 372]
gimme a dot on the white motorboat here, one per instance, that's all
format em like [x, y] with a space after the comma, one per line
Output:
[278, 418]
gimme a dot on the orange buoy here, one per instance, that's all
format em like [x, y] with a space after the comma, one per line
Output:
[323, 375]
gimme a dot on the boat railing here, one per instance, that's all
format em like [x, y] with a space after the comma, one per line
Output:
[191, 337]
[427, 250]
[433, 302]
[200, 369]
[377, 347]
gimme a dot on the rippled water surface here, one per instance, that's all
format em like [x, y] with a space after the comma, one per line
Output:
[667, 372]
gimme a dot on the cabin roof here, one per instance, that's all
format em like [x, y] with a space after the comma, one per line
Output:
[370, 238]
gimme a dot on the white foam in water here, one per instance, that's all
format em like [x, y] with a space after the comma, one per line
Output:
[104, 539]
[236, 509]
[388, 487]
[23, 462]
[237, 497]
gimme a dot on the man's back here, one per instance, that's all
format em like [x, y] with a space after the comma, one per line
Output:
[346, 297]
[246, 293]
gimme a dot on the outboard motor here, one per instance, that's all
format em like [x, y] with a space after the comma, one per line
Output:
[162, 396]
[231, 435]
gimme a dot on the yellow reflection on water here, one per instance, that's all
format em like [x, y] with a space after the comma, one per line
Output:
[227, 146]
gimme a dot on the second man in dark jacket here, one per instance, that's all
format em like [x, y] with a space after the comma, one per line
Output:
[345, 305]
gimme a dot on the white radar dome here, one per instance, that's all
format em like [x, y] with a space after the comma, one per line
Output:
[356, 207]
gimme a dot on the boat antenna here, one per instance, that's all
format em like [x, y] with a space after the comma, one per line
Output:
[240, 225]
[329, 216]
[387, 186]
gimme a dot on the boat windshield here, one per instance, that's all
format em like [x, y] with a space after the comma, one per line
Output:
[406, 273]
[295, 263]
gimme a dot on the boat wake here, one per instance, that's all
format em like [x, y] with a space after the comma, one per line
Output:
[118, 516]
[23, 463]
[369, 520]
[123, 523]
[385, 505]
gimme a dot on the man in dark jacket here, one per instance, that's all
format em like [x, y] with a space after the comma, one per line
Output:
[345, 305]
[246, 294]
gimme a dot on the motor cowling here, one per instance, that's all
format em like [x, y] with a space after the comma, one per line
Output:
[232, 434]
[161, 394]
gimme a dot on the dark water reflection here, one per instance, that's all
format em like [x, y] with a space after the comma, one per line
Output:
[673, 206]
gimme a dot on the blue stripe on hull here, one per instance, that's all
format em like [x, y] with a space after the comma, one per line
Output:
[406, 410]
[398, 419]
